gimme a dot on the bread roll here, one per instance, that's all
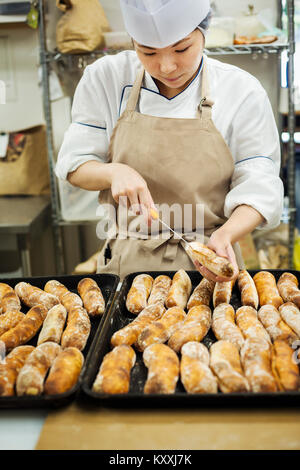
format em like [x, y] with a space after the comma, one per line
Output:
[216, 264]
[180, 290]
[163, 369]
[10, 367]
[275, 326]
[267, 290]
[53, 325]
[138, 293]
[31, 377]
[161, 330]
[93, 300]
[64, 372]
[8, 298]
[288, 288]
[226, 365]
[256, 361]
[78, 329]
[224, 327]
[285, 371]
[290, 313]
[194, 328]
[55, 288]
[160, 289]
[249, 295]
[222, 293]
[114, 373]
[9, 320]
[249, 324]
[130, 333]
[32, 296]
[195, 373]
[202, 293]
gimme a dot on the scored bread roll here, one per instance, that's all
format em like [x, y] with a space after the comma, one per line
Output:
[8, 298]
[288, 288]
[161, 330]
[222, 292]
[53, 325]
[9, 320]
[285, 371]
[77, 330]
[92, 297]
[275, 326]
[267, 290]
[114, 374]
[163, 369]
[138, 293]
[25, 329]
[160, 289]
[226, 365]
[31, 377]
[224, 327]
[256, 362]
[64, 372]
[209, 259]
[180, 290]
[194, 328]
[10, 367]
[202, 293]
[130, 333]
[249, 324]
[32, 296]
[67, 299]
[249, 295]
[290, 313]
[195, 373]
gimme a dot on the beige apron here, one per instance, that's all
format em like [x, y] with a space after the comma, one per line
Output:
[183, 161]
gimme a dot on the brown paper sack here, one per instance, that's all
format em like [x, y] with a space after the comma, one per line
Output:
[24, 170]
[81, 27]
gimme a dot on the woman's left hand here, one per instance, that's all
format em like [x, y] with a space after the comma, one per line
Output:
[221, 245]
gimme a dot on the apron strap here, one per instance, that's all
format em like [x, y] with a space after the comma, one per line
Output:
[206, 103]
[135, 92]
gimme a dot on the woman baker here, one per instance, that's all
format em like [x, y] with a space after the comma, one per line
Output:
[163, 125]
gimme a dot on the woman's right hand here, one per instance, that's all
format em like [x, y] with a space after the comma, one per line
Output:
[126, 182]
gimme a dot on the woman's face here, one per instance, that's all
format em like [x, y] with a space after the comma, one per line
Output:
[173, 67]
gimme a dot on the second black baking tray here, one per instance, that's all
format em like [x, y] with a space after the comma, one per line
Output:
[108, 284]
[119, 317]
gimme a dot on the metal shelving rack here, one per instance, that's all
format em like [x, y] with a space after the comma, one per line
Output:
[47, 57]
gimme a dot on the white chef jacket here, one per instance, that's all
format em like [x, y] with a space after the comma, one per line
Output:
[241, 112]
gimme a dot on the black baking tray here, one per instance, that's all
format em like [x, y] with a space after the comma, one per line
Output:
[108, 284]
[119, 317]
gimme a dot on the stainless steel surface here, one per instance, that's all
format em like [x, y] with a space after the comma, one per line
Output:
[24, 215]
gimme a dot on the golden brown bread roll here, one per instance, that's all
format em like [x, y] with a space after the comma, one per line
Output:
[202, 293]
[209, 259]
[267, 290]
[275, 326]
[194, 328]
[290, 313]
[224, 327]
[180, 290]
[114, 373]
[130, 333]
[163, 369]
[256, 361]
[138, 293]
[67, 299]
[195, 373]
[53, 325]
[288, 288]
[64, 371]
[161, 330]
[31, 377]
[249, 295]
[222, 292]
[285, 371]
[226, 365]
[249, 324]
[10, 367]
[8, 298]
[93, 300]
[160, 289]
[32, 296]
[77, 330]
[25, 329]
[9, 320]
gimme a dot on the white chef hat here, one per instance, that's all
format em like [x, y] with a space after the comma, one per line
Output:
[160, 23]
